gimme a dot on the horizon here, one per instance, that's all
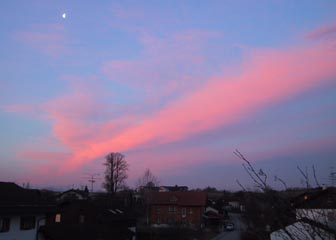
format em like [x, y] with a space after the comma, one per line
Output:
[175, 87]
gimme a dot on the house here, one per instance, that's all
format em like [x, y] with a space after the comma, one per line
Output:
[315, 212]
[83, 219]
[73, 194]
[177, 208]
[213, 218]
[175, 188]
[22, 212]
[231, 203]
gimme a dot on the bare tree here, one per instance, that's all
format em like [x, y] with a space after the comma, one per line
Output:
[278, 211]
[148, 179]
[115, 172]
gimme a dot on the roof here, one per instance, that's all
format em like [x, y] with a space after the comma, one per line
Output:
[213, 215]
[179, 198]
[305, 229]
[15, 199]
[85, 232]
[316, 198]
[73, 194]
[13, 194]
[96, 210]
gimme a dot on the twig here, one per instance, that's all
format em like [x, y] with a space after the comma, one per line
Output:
[315, 178]
[240, 185]
[305, 175]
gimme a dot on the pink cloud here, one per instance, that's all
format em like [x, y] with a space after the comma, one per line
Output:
[49, 39]
[269, 76]
[325, 32]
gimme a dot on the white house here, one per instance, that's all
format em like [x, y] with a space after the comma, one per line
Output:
[22, 212]
[315, 217]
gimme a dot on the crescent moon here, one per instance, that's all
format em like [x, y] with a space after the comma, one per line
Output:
[64, 15]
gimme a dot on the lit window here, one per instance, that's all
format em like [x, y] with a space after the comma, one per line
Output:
[4, 224]
[58, 218]
[27, 223]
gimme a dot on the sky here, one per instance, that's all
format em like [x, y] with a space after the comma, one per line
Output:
[175, 86]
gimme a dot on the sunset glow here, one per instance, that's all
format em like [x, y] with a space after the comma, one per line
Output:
[175, 87]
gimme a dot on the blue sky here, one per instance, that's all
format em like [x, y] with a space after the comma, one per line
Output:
[175, 86]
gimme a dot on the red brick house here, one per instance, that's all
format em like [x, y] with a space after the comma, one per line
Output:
[181, 208]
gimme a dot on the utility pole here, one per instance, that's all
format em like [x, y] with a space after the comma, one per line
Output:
[332, 176]
[92, 178]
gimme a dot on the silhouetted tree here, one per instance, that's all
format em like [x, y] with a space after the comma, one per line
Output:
[210, 189]
[146, 184]
[148, 180]
[115, 172]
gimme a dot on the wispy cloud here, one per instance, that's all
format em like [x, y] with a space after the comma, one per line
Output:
[49, 39]
[325, 32]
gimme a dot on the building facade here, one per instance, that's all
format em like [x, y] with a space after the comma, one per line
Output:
[177, 208]
[22, 212]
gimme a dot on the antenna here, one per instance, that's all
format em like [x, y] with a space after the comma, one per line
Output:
[332, 176]
[91, 178]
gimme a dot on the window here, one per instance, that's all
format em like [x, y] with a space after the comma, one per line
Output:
[27, 223]
[184, 212]
[172, 209]
[190, 211]
[58, 218]
[158, 210]
[81, 218]
[4, 224]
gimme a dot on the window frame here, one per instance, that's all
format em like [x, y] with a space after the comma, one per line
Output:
[27, 222]
[4, 224]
